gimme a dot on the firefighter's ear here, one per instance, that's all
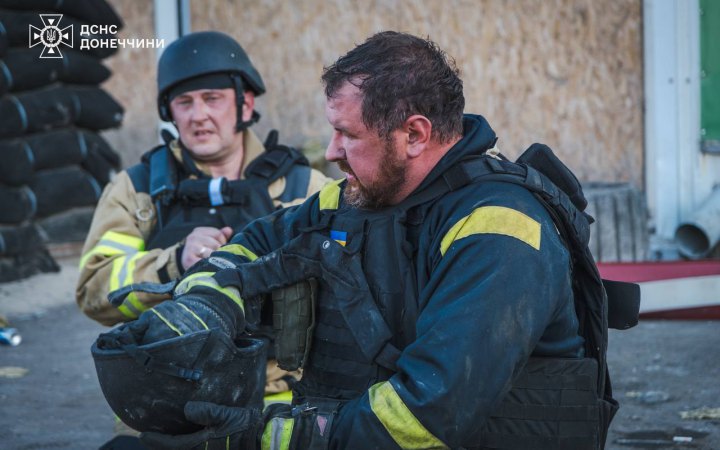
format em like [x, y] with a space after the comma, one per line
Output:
[418, 130]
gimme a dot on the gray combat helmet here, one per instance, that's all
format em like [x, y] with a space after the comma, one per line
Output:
[205, 53]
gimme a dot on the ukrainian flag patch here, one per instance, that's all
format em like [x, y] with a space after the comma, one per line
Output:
[339, 236]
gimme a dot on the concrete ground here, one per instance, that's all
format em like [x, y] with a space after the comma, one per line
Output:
[50, 398]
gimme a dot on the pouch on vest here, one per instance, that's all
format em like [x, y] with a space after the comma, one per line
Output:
[293, 323]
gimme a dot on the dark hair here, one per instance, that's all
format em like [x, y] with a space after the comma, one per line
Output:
[400, 75]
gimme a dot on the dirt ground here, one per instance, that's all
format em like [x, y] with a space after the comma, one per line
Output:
[50, 398]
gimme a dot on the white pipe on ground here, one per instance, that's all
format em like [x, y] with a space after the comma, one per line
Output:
[697, 236]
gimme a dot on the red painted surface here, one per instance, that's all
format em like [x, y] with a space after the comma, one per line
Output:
[653, 271]
[700, 313]
[666, 270]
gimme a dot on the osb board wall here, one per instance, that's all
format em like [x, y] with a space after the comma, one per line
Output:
[564, 72]
[133, 83]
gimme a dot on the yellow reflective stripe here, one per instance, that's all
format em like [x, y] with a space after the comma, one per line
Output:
[127, 312]
[194, 315]
[132, 307]
[227, 442]
[241, 250]
[278, 397]
[130, 249]
[117, 266]
[398, 420]
[167, 322]
[494, 220]
[124, 239]
[113, 243]
[330, 195]
[277, 433]
[206, 279]
[122, 275]
[99, 249]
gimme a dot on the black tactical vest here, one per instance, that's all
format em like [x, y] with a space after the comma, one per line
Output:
[363, 323]
[183, 203]
[340, 365]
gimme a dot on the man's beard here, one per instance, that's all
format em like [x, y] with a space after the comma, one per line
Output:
[392, 176]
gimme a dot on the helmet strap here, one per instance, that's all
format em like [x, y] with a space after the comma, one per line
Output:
[241, 125]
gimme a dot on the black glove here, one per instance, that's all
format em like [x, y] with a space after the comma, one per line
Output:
[226, 427]
[187, 314]
[173, 318]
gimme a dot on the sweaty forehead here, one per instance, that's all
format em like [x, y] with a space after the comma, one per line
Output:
[345, 104]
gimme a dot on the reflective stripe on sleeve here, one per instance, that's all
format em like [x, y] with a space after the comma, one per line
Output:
[206, 279]
[112, 243]
[122, 275]
[494, 220]
[277, 434]
[402, 425]
[240, 250]
[330, 195]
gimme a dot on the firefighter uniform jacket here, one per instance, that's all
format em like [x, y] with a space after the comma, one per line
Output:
[470, 285]
[116, 252]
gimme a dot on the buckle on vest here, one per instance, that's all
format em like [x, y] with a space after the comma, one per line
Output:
[303, 410]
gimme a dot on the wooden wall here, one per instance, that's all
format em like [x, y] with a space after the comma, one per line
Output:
[133, 83]
[564, 72]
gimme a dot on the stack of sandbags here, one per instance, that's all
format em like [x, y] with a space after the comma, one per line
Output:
[53, 161]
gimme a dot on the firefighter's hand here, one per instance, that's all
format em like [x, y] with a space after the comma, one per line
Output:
[201, 242]
[171, 318]
[225, 427]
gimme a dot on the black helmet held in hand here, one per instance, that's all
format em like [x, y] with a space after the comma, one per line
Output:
[200, 54]
[148, 385]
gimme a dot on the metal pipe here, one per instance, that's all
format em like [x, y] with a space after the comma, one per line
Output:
[697, 236]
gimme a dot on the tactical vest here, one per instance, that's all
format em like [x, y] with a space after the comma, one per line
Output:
[183, 203]
[367, 308]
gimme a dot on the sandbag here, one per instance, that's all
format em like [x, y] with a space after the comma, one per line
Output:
[58, 107]
[23, 156]
[20, 239]
[61, 189]
[100, 167]
[17, 25]
[18, 204]
[97, 12]
[68, 226]
[23, 265]
[50, 192]
[3, 40]
[22, 70]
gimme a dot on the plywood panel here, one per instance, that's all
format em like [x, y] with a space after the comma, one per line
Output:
[133, 83]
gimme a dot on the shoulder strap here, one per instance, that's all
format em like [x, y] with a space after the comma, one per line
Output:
[163, 175]
[140, 173]
[276, 161]
[140, 176]
[156, 174]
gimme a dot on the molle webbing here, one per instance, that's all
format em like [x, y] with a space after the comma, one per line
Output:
[552, 405]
